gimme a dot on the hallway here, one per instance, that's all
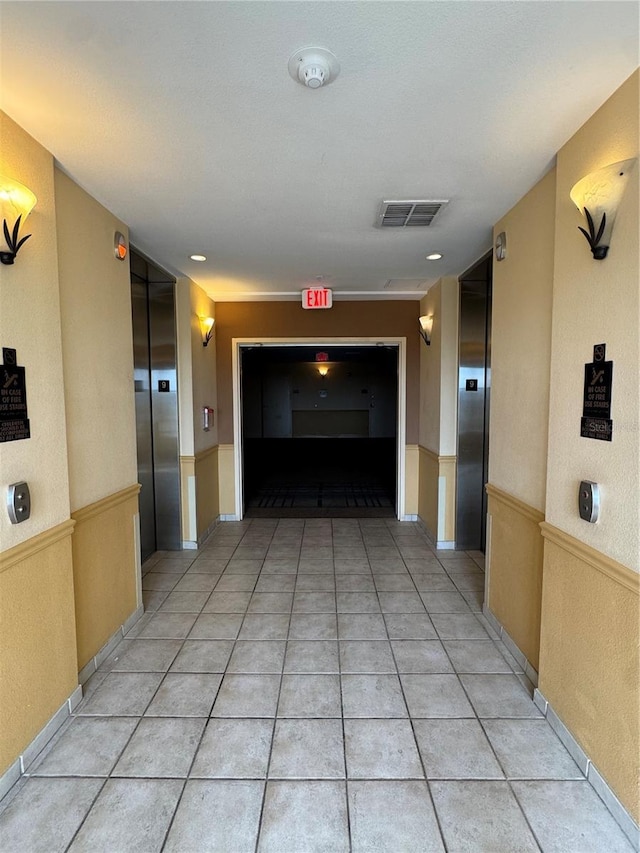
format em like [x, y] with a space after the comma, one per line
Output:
[309, 685]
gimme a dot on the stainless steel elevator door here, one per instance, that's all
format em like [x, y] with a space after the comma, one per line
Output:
[474, 386]
[156, 400]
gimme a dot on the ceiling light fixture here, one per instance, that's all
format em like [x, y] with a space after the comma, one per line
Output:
[16, 203]
[198, 258]
[314, 67]
[434, 256]
[598, 196]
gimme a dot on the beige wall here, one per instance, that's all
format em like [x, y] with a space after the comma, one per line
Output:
[30, 324]
[521, 347]
[438, 411]
[97, 347]
[197, 388]
[589, 667]
[597, 302]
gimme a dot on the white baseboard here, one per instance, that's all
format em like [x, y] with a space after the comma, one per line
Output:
[228, 517]
[87, 671]
[24, 761]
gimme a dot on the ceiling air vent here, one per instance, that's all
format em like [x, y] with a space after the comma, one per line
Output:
[400, 214]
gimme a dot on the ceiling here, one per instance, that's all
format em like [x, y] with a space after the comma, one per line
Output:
[182, 119]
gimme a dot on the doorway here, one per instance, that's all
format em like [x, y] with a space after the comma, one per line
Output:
[319, 428]
[156, 405]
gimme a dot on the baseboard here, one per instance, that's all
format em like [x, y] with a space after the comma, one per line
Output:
[228, 517]
[613, 804]
[203, 537]
[527, 667]
[446, 545]
[88, 670]
[24, 761]
[409, 518]
[602, 789]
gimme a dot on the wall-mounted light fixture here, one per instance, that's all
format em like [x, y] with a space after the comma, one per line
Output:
[426, 327]
[501, 246]
[206, 327]
[323, 370]
[598, 196]
[16, 203]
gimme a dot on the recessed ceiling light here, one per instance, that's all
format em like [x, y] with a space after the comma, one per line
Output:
[434, 256]
[198, 257]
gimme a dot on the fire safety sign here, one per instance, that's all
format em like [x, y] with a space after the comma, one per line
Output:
[317, 297]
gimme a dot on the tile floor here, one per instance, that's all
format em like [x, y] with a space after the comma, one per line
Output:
[309, 685]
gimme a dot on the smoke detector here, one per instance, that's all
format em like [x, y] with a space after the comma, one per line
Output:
[314, 67]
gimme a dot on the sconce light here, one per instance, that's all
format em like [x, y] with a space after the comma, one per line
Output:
[426, 327]
[16, 202]
[598, 195]
[323, 370]
[206, 326]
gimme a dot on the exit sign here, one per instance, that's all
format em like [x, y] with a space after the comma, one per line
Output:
[317, 297]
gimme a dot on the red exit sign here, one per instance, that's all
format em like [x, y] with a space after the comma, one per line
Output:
[317, 297]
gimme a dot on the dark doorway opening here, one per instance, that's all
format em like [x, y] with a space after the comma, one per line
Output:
[319, 430]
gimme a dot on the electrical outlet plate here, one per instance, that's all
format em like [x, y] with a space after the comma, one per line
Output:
[589, 501]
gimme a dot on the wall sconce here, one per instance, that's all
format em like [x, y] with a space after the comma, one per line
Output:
[426, 327]
[206, 327]
[598, 195]
[16, 202]
[323, 370]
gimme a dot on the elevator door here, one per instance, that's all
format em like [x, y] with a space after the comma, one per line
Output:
[474, 387]
[155, 381]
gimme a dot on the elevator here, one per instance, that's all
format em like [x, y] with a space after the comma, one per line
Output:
[474, 392]
[156, 405]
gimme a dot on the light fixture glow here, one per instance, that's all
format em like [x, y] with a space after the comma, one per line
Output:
[434, 256]
[16, 203]
[199, 258]
[206, 327]
[598, 196]
[426, 327]
[323, 370]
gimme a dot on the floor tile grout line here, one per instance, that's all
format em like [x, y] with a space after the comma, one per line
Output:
[344, 732]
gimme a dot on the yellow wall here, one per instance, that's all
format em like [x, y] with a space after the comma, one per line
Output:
[207, 489]
[597, 302]
[589, 667]
[38, 666]
[104, 569]
[30, 324]
[589, 624]
[438, 411]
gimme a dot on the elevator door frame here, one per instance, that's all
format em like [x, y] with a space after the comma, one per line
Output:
[401, 343]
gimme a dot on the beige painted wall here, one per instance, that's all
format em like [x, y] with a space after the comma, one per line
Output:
[197, 388]
[30, 324]
[38, 665]
[521, 347]
[597, 302]
[438, 411]
[97, 347]
[104, 569]
[589, 667]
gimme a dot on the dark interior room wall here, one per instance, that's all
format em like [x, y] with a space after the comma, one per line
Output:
[289, 320]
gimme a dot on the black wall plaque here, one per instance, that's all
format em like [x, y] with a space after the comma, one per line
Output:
[471, 385]
[164, 385]
[14, 420]
[596, 408]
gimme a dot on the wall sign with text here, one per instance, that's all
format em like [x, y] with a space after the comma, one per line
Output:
[14, 421]
[596, 407]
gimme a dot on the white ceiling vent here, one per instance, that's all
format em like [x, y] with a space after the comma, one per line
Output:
[406, 284]
[401, 214]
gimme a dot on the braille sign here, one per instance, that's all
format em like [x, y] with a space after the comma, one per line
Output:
[14, 421]
[596, 407]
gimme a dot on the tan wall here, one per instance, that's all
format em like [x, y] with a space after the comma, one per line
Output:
[597, 302]
[226, 480]
[589, 657]
[38, 666]
[411, 479]
[515, 570]
[104, 569]
[290, 320]
[521, 347]
[97, 347]
[207, 489]
[438, 411]
[30, 324]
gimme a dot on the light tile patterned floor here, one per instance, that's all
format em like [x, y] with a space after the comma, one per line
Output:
[309, 686]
